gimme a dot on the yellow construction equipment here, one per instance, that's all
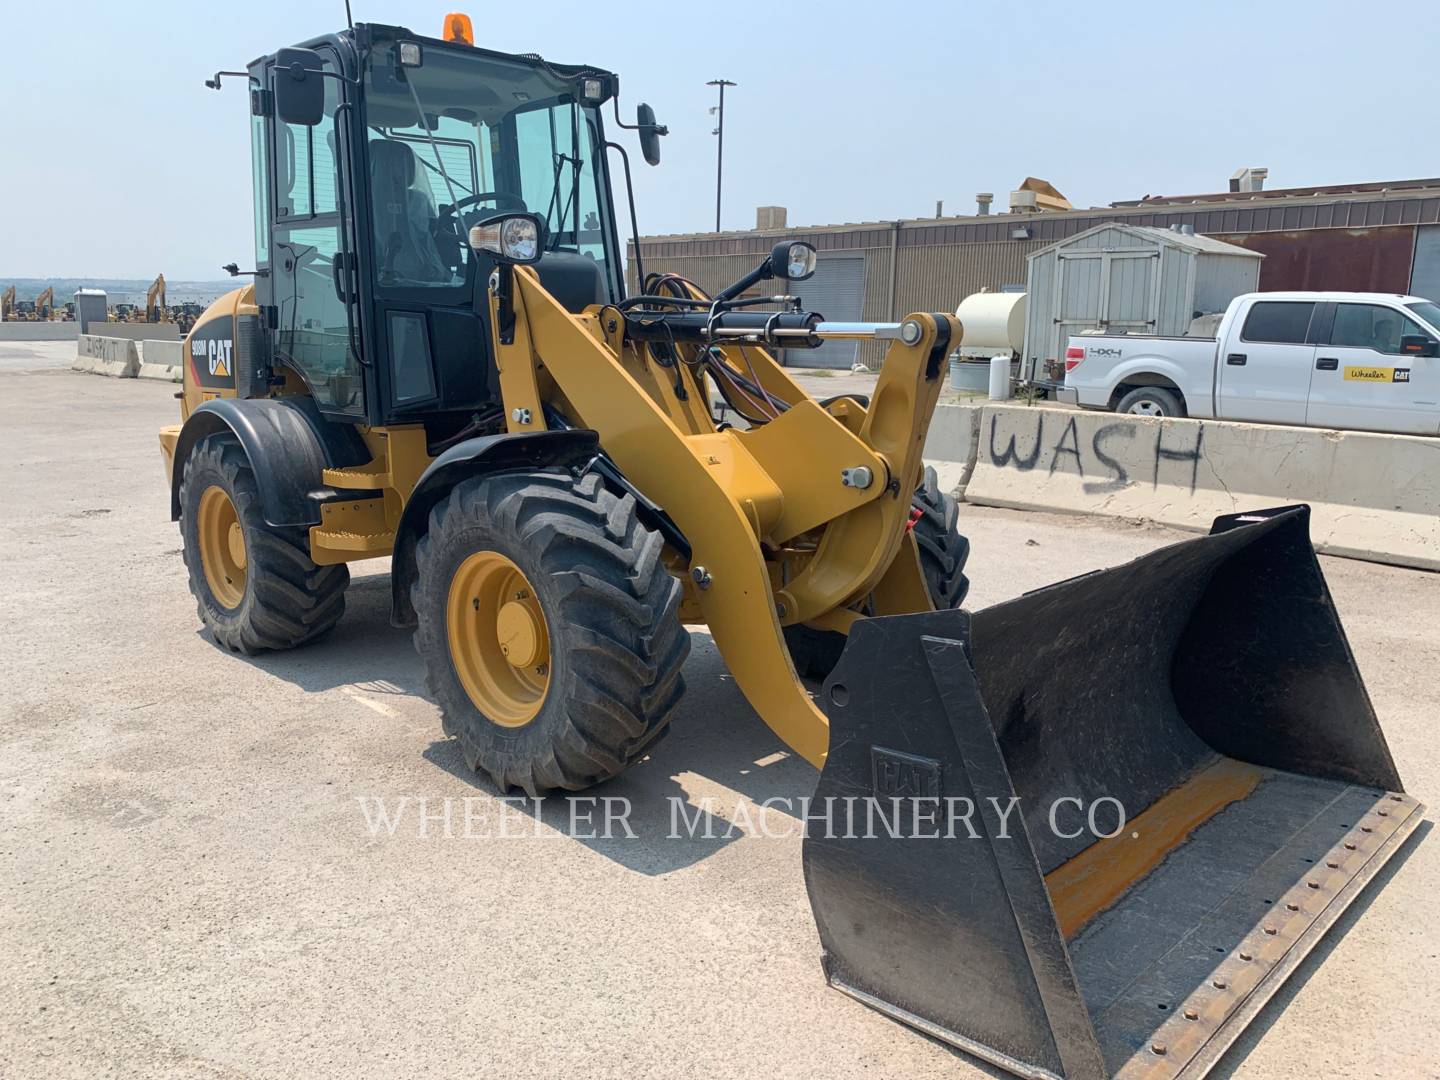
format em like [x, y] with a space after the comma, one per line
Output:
[45, 306]
[155, 309]
[437, 361]
[7, 304]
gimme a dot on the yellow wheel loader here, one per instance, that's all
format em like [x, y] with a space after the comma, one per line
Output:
[1085, 833]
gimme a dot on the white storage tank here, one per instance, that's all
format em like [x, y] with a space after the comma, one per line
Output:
[1126, 279]
[993, 324]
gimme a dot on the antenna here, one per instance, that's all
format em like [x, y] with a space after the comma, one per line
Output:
[350, 22]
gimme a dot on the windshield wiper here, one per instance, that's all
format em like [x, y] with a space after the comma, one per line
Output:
[435, 148]
[561, 159]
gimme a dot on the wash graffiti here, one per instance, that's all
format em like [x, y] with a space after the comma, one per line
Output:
[1097, 459]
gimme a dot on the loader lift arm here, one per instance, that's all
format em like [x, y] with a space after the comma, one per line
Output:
[730, 491]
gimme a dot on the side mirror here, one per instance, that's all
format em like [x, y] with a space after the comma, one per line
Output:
[1419, 345]
[792, 260]
[650, 133]
[513, 239]
[299, 87]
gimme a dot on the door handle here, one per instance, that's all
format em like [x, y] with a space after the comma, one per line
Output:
[1236, 359]
[337, 268]
[1327, 363]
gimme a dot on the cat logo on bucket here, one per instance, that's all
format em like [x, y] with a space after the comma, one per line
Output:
[1377, 374]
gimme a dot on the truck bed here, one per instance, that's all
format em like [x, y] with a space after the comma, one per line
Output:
[1112, 361]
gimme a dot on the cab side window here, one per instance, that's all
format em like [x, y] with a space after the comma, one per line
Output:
[1372, 326]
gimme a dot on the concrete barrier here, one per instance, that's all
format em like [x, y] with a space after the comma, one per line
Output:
[1372, 496]
[117, 357]
[161, 360]
[950, 446]
[39, 331]
[137, 331]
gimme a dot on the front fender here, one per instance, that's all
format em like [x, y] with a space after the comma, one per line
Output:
[474, 457]
[289, 444]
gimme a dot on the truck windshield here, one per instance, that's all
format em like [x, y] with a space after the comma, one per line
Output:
[465, 136]
[1429, 312]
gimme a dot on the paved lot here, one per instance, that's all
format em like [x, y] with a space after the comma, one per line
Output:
[188, 885]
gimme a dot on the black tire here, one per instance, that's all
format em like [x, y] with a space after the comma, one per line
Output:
[617, 645]
[943, 554]
[1151, 401]
[943, 550]
[288, 600]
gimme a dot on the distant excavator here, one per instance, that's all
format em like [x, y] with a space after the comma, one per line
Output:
[44, 306]
[7, 304]
[155, 309]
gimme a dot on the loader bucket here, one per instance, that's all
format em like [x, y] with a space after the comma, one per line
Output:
[1206, 688]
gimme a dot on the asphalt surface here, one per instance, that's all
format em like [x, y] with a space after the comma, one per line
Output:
[189, 886]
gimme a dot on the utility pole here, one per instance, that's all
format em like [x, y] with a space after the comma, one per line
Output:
[720, 144]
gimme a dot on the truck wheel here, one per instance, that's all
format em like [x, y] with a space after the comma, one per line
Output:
[943, 554]
[549, 627]
[1151, 401]
[255, 585]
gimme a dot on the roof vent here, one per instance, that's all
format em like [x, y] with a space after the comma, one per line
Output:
[1249, 179]
[983, 199]
[769, 218]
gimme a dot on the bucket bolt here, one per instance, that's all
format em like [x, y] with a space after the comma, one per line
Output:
[701, 577]
[859, 477]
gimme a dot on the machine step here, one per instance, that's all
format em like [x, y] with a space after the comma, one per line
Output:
[371, 477]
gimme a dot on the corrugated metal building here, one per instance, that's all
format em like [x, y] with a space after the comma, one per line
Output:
[1382, 237]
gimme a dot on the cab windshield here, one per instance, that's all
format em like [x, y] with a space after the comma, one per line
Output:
[464, 136]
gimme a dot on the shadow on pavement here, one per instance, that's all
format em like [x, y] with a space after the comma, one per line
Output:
[716, 750]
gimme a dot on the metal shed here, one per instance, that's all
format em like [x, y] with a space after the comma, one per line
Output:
[1126, 279]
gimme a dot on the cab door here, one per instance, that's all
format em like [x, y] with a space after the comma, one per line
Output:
[310, 289]
[1265, 369]
[1364, 381]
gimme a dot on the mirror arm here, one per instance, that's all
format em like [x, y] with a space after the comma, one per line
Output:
[233, 269]
[754, 277]
[659, 129]
[214, 84]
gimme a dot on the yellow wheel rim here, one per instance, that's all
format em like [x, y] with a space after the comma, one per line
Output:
[499, 640]
[222, 547]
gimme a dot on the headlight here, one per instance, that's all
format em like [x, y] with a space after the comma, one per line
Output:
[520, 239]
[511, 238]
[792, 260]
[801, 262]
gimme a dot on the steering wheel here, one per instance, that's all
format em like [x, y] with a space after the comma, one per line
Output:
[500, 198]
[451, 232]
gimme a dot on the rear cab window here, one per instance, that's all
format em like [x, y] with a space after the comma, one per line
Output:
[1280, 322]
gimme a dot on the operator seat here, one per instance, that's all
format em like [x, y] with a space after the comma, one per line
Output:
[405, 218]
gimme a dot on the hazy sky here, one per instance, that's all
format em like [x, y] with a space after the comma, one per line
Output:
[117, 162]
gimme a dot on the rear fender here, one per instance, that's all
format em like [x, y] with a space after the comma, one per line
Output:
[289, 444]
[1151, 371]
[573, 449]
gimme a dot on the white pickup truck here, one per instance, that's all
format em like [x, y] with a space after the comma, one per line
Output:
[1365, 361]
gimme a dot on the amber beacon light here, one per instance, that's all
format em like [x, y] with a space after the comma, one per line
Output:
[458, 28]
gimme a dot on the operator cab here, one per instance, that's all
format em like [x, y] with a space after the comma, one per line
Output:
[374, 151]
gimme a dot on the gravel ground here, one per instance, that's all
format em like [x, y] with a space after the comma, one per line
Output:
[189, 887]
